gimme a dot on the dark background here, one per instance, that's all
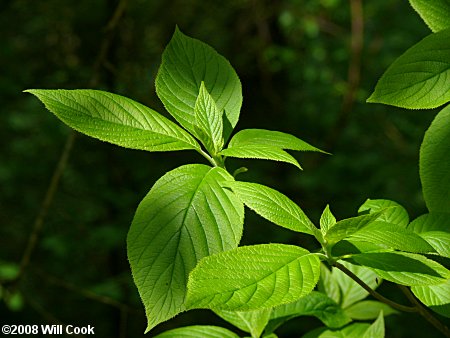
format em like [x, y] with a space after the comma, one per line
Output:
[304, 69]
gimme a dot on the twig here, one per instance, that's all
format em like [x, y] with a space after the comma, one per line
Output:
[372, 292]
[87, 293]
[424, 312]
[48, 199]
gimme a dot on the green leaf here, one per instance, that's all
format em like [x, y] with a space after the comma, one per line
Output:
[435, 229]
[395, 214]
[258, 151]
[252, 277]
[403, 268]
[186, 62]
[186, 215]
[435, 13]
[272, 205]
[252, 322]
[368, 310]
[435, 162]
[315, 304]
[352, 292]
[355, 330]
[196, 331]
[208, 121]
[376, 330]
[327, 220]
[328, 284]
[349, 226]
[351, 247]
[418, 79]
[115, 119]
[436, 297]
[270, 138]
[392, 236]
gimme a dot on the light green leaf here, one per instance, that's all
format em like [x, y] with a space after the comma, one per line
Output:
[349, 226]
[328, 284]
[435, 229]
[272, 205]
[396, 214]
[376, 330]
[403, 268]
[208, 121]
[327, 220]
[253, 277]
[186, 215]
[435, 13]
[186, 62]
[418, 79]
[270, 138]
[196, 331]
[435, 161]
[355, 330]
[315, 304]
[258, 151]
[115, 119]
[352, 292]
[392, 236]
[368, 310]
[436, 297]
[252, 322]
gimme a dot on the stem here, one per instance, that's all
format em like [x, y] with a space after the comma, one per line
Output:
[375, 294]
[209, 158]
[424, 312]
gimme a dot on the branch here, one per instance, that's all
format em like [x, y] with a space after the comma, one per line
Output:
[424, 312]
[372, 292]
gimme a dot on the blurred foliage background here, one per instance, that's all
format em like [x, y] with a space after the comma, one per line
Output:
[306, 68]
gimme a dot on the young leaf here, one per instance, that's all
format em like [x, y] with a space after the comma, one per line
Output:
[252, 322]
[403, 268]
[392, 236]
[253, 277]
[435, 13]
[186, 62]
[434, 228]
[259, 151]
[115, 119]
[327, 220]
[270, 138]
[436, 297]
[272, 205]
[435, 163]
[376, 330]
[396, 214]
[368, 310]
[196, 331]
[352, 292]
[315, 304]
[418, 79]
[349, 226]
[186, 215]
[208, 121]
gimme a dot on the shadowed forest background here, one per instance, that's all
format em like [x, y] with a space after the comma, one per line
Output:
[306, 68]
